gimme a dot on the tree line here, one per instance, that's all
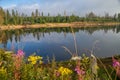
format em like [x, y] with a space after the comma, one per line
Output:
[36, 17]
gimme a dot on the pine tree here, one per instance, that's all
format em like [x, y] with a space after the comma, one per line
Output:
[13, 17]
[17, 17]
[2, 16]
[42, 14]
[118, 16]
[8, 16]
[36, 13]
[32, 17]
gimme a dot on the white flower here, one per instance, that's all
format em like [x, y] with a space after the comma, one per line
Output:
[76, 58]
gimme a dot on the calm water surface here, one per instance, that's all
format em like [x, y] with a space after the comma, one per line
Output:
[48, 42]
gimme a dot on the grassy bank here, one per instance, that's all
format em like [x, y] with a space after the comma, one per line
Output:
[18, 67]
[55, 25]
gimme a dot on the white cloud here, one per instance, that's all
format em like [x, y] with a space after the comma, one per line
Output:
[30, 7]
[79, 7]
[11, 6]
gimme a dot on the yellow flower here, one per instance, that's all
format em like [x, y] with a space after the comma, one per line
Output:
[33, 59]
[96, 67]
[85, 59]
[3, 70]
[39, 57]
[40, 62]
[33, 62]
[64, 71]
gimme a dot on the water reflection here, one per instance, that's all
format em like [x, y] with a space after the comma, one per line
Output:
[48, 41]
[37, 33]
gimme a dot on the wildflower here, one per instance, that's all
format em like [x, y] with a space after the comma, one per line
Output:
[33, 59]
[18, 59]
[64, 71]
[20, 53]
[3, 70]
[57, 73]
[85, 59]
[79, 71]
[76, 58]
[116, 65]
[40, 62]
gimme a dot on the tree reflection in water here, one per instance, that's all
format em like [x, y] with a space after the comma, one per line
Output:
[40, 32]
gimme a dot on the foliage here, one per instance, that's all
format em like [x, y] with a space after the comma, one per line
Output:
[18, 67]
[39, 18]
[2, 15]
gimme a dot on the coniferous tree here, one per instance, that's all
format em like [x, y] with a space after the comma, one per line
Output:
[13, 17]
[32, 17]
[21, 18]
[2, 16]
[36, 13]
[5, 19]
[118, 16]
[42, 14]
[8, 15]
[17, 17]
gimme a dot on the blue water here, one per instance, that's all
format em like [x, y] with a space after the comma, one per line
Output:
[104, 42]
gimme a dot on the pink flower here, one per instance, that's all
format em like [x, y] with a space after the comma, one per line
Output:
[18, 63]
[79, 71]
[20, 53]
[116, 65]
[115, 62]
[57, 73]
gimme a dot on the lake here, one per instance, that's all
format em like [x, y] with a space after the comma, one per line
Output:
[104, 41]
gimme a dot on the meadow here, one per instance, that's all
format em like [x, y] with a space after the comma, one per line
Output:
[15, 66]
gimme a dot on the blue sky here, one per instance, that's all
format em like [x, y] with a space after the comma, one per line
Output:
[78, 7]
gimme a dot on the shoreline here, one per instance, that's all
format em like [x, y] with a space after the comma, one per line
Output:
[59, 25]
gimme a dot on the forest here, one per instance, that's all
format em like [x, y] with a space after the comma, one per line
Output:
[13, 17]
